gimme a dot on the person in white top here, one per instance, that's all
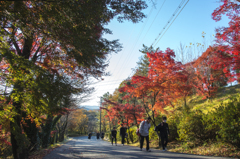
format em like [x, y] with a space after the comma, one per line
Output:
[144, 133]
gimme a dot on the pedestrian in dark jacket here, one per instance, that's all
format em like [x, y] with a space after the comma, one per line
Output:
[98, 135]
[102, 135]
[164, 132]
[89, 135]
[114, 135]
[123, 133]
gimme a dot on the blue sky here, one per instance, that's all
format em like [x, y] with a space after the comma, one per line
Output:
[187, 28]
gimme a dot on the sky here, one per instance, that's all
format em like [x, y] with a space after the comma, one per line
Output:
[177, 21]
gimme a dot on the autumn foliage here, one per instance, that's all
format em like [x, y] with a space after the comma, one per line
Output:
[227, 38]
[168, 80]
[49, 51]
[207, 72]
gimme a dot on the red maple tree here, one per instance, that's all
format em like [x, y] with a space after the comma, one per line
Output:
[228, 40]
[164, 83]
[209, 72]
[129, 114]
[167, 75]
[134, 111]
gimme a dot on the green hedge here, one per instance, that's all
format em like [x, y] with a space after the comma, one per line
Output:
[191, 127]
[225, 121]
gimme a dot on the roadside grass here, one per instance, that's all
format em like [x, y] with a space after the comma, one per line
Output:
[196, 102]
[219, 149]
[209, 148]
[223, 95]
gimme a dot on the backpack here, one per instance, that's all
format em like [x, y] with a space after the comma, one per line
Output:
[137, 132]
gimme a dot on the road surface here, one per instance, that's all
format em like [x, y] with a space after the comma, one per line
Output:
[81, 147]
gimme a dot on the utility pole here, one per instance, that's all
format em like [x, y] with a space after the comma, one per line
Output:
[100, 112]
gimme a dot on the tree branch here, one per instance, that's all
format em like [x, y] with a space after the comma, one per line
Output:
[35, 54]
[5, 94]
[14, 42]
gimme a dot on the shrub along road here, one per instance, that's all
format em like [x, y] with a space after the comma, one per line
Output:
[81, 147]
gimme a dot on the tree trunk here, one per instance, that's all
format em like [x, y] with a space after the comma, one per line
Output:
[57, 138]
[46, 132]
[13, 141]
[32, 134]
[18, 140]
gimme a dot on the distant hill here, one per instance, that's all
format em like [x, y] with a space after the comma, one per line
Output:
[90, 107]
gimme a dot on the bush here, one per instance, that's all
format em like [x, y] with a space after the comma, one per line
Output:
[108, 136]
[173, 121]
[190, 127]
[152, 134]
[132, 136]
[5, 146]
[225, 120]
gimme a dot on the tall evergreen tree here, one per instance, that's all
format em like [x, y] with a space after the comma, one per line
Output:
[142, 65]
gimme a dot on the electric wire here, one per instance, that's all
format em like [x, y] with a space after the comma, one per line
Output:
[139, 34]
[115, 83]
[109, 81]
[175, 12]
[160, 34]
[171, 23]
[122, 53]
[108, 84]
[131, 52]
[127, 45]
[154, 20]
[166, 26]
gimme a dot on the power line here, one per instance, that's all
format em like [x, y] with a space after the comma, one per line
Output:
[108, 84]
[109, 81]
[171, 23]
[117, 82]
[127, 45]
[154, 19]
[165, 27]
[139, 34]
[170, 19]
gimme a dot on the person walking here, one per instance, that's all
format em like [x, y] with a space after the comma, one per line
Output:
[89, 135]
[123, 133]
[164, 132]
[98, 135]
[102, 135]
[114, 135]
[144, 133]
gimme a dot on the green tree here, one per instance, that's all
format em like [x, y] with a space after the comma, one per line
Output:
[143, 63]
[58, 37]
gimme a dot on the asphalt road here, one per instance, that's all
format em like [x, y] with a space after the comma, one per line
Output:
[81, 147]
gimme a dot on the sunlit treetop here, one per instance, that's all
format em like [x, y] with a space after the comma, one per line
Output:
[65, 36]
